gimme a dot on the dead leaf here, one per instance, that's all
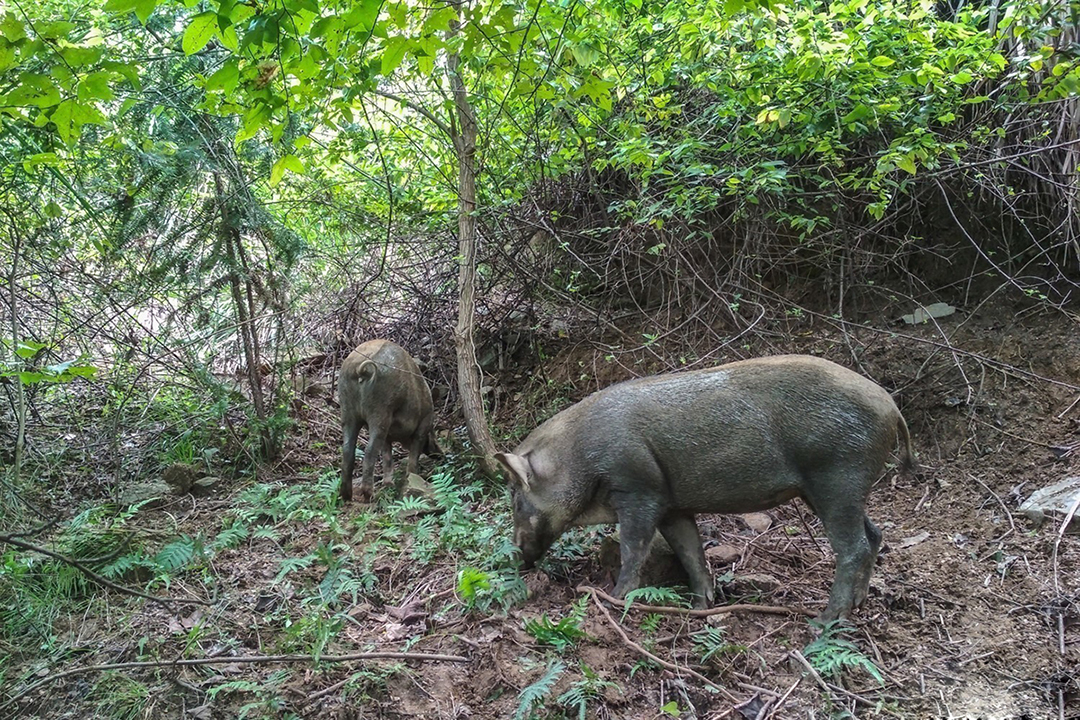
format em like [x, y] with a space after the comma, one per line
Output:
[926, 312]
[913, 540]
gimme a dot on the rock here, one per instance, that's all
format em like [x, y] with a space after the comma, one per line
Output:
[1056, 500]
[418, 487]
[152, 492]
[204, 485]
[723, 554]
[927, 312]
[753, 584]
[661, 566]
[180, 476]
[758, 522]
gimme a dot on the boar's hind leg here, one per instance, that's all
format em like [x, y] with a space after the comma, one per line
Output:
[376, 447]
[637, 525]
[845, 526]
[873, 534]
[681, 533]
[350, 429]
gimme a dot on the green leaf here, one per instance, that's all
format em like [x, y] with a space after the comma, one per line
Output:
[962, 78]
[34, 89]
[393, 54]
[95, 86]
[857, 113]
[77, 56]
[143, 9]
[882, 61]
[277, 172]
[11, 27]
[286, 162]
[203, 27]
[585, 54]
[332, 31]
[439, 21]
[228, 37]
[904, 162]
[254, 120]
[54, 30]
[672, 709]
[27, 349]
[293, 164]
[226, 78]
[362, 15]
[64, 117]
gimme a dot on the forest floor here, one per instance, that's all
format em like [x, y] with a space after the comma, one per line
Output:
[973, 612]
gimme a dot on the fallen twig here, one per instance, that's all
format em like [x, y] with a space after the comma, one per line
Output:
[165, 601]
[666, 610]
[224, 660]
[646, 654]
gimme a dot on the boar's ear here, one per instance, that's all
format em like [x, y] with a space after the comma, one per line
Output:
[517, 467]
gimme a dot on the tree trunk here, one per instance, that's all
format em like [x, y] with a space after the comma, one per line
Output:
[469, 375]
[20, 390]
[248, 338]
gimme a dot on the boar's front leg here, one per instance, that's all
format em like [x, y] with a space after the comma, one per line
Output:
[681, 532]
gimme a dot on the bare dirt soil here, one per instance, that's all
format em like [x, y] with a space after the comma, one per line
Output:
[972, 613]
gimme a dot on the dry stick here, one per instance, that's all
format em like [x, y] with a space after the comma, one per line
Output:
[1065, 412]
[236, 659]
[164, 601]
[784, 697]
[768, 609]
[1060, 536]
[646, 654]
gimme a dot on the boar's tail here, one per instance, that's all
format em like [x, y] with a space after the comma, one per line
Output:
[366, 370]
[907, 455]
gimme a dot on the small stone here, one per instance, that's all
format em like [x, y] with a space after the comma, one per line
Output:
[723, 554]
[418, 487]
[753, 583]
[1057, 500]
[758, 522]
[152, 492]
[204, 485]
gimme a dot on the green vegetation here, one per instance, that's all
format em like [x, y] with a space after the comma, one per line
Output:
[205, 204]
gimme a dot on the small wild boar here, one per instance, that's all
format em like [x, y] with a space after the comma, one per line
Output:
[381, 388]
[650, 453]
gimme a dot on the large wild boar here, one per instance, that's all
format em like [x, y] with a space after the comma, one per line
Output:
[650, 453]
[381, 388]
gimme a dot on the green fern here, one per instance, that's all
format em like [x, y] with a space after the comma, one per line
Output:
[230, 537]
[176, 554]
[712, 641]
[562, 634]
[831, 653]
[654, 596]
[289, 565]
[590, 687]
[534, 696]
[471, 582]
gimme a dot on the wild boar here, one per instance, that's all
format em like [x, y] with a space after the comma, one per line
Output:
[650, 453]
[381, 387]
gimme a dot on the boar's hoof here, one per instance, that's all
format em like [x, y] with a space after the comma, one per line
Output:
[365, 494]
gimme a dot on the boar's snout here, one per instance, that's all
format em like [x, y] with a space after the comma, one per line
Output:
[533, 534]
[532, 545]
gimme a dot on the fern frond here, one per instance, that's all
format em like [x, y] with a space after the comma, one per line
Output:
[535, 695]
